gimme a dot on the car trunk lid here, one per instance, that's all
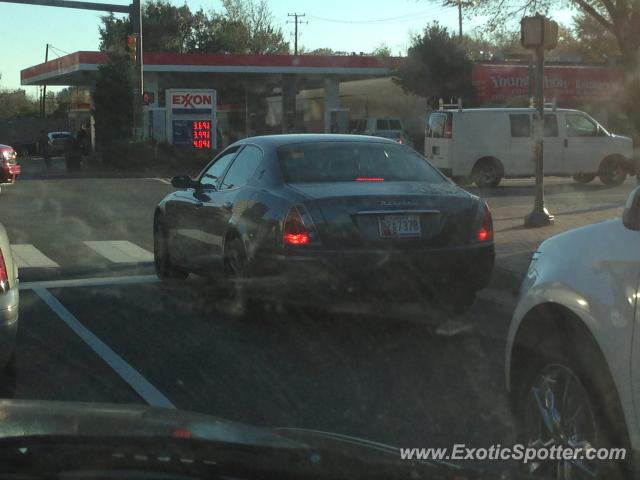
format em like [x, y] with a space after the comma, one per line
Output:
[381, 215]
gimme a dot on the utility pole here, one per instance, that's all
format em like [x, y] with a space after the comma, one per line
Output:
[460, 20]
[296, 21]
[43, 100]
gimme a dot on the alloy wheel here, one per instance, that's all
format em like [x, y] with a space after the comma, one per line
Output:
[558, 412]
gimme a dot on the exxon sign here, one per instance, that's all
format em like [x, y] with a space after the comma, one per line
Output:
[191, 100]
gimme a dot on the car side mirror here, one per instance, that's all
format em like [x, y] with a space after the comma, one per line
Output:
[631, 213]
[183, 181]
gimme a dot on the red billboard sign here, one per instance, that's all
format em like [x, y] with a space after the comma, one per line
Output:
[498, 83]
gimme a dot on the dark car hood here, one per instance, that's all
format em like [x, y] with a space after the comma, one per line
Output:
[35, 417]
[41, 419]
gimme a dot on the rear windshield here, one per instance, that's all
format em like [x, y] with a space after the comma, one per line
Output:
[354, 161]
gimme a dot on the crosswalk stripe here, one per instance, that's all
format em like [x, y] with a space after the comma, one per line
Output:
[120, 251]
[28, 256]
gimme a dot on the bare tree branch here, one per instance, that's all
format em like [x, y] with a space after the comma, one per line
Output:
[595, 14]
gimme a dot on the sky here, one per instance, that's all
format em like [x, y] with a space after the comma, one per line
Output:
[343, 25]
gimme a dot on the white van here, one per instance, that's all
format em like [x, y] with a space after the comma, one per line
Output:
[484, 145]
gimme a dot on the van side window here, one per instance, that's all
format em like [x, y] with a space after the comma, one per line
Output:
[382, 125]
[520, 125]
[580, 126]
[436, 125]
[550, 126]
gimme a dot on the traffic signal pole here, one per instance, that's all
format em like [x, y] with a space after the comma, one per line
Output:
[138, 76]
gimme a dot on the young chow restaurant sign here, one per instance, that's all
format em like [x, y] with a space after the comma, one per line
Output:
[497, 83]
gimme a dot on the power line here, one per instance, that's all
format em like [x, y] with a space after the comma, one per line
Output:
[296, 21]
[59, 50]
[398, 19]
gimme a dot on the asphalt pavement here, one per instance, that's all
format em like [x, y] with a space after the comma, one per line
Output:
[96, 325]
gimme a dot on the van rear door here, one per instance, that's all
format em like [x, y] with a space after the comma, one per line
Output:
[437, 142]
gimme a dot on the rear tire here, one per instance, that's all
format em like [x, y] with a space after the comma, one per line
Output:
[235, 300]
[583, 178]
[612, 172]
[161, 259]
[487, 173]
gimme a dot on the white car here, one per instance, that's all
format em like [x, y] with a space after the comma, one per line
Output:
[9, 301]
[573, 348]
[485, 145]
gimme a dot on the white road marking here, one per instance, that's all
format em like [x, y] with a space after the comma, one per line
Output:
[148, 392]
[90, 282]
[28, 256]
[121, 251]
[162, 180]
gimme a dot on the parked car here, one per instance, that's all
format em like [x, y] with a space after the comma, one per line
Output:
[485, 145]
[60, 142]
[9, 167]
[319, 212]
[573, 348]
[9, 302]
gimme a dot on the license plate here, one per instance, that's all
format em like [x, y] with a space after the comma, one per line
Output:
[399, 226]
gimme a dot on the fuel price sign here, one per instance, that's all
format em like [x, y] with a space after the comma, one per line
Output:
[201, 133]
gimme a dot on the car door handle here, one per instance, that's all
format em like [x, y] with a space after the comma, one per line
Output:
[227, 205]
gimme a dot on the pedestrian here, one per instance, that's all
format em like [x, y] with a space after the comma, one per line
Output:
[83, 140]
[44, 146]
[73, 155]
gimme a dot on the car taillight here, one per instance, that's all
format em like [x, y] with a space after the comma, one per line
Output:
[295, 231]
[448, 131]
[400, 140]
[4, 274]
[485, 233]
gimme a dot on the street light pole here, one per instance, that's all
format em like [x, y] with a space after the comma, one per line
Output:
[539, 33]
[539, 216]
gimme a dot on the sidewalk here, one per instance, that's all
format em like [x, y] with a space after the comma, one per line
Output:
[515, 244]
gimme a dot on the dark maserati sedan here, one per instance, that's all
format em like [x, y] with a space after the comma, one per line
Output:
[325, 214]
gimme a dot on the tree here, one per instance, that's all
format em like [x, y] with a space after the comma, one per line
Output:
[113, 100]
[437, 67]
[245, 26]
[598, 44]
[263, 36]
[382, 50]
[166, 27]
[113, 33]
[16, 103]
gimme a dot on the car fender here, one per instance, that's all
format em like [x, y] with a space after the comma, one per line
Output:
[593, 272]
